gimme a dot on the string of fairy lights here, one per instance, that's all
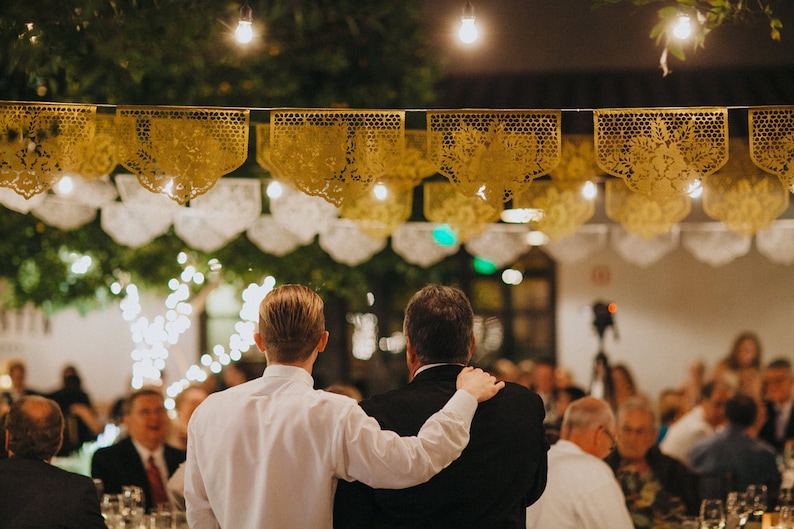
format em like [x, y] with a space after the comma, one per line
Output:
[154, 337]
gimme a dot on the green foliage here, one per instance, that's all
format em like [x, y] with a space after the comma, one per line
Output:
[312, 53]
[708, 15]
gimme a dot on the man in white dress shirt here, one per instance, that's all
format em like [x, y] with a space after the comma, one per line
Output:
[581, 490]
[268, 453]
[699, 422]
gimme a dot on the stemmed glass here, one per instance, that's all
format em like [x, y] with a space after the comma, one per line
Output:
[111, 508]
[737, 509]
[756, 498]
[133, 504]
[712, 514]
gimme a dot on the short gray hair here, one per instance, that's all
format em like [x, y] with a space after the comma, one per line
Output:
[585, 414]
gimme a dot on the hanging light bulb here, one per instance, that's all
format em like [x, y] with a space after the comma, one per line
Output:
[683, 27]
[244, 32]
[468, 31]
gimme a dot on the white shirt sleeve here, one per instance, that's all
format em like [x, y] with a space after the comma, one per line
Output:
[382, 459]
[200, 515]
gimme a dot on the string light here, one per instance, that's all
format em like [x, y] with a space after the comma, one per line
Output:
[244, 32]
[468, 30]
[683, 27]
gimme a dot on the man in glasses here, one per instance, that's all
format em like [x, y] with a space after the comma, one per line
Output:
[581, 490]
[659, 489]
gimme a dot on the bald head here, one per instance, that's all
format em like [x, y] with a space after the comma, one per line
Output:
[34, 428]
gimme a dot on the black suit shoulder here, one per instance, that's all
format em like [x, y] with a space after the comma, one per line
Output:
[35, 494]
[499, 473]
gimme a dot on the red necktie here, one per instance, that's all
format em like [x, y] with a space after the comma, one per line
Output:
[155, 483]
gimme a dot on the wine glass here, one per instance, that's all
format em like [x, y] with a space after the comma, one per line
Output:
[786, 518]
[111, 509]
[737, 509]
[133, 503]
[712, 514]
[756, 498]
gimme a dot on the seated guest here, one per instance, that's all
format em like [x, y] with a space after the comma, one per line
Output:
[659, 490]
[184, 405]
[33, 493]
[733, 451]
[779, 384]
[699, 422]
[143, 458]
[581, 490]
[17, 372]
[501, 471]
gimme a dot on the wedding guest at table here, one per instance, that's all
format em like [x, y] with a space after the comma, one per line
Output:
[501, 471]
[672, 404]
[269, 453]
[742, 367]
[19, 388]
[185, 403]
[81, 421]
[659, 489]
[778, 387]
[34, 493]
[563, 397]
[623, 385]
[543, 385]
[581, 490]
[699, 422]
[142, 458]
[733, 451]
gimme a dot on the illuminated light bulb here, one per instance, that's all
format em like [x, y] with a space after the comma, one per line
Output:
[245, 32]
[380, 191]
[64, 186]
[468, 30]
[695, 189]
[589, 190]
[683, 27]
[274, 189]
[537, 238]
[512, 276]
[181, 258]
[521, 215]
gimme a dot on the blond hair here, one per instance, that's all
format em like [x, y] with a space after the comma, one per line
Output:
[291, 323]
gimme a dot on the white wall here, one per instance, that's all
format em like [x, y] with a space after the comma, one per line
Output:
[673, 312]
[98, 344]
[668, 314]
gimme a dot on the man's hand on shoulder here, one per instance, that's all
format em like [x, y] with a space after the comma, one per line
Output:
[480, 384]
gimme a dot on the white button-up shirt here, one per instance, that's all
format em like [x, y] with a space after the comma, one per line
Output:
[581, 492]
[268, 453]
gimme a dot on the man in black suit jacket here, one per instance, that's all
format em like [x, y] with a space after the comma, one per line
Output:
[33, 493]
[125, 463]
[503, 468]
[778, 384]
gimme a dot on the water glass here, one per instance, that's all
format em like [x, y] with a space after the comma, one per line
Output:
[111, 509]
[737, 509]
[712, 514]
[786, 517]
[133, 504]
[756, 497]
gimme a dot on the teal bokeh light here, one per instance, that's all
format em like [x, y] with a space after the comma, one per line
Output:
[444, 235]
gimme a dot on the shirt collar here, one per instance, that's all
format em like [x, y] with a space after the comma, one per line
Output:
[428, 366]
[158, 453]
[292, 372]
